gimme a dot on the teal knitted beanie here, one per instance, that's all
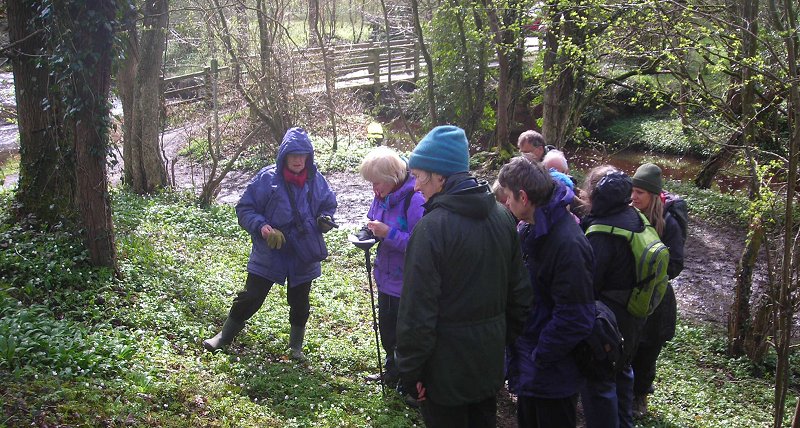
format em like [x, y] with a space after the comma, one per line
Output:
[444, 151]
[648, 177]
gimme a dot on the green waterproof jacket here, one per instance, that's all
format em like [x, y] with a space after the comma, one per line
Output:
[465, 295]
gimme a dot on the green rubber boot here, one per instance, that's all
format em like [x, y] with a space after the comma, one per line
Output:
[296, 335]
[224, 337]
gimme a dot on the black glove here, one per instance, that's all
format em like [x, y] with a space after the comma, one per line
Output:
[409, 387]
[365, 234]
[325, 223]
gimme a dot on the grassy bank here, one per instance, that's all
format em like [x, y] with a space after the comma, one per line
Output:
[81, 348]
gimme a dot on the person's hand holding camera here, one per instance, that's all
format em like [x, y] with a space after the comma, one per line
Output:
[365, 234]
[379, 229]
[325, 223]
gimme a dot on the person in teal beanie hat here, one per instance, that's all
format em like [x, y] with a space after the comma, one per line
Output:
[444, 151]
[465, 291]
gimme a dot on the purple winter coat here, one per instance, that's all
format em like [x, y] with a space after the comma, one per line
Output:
[392, 249]
[560, 262]
[266, 201]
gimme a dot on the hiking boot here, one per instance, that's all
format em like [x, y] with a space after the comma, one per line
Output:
[296, 336]
[388, 380]
[375, 377]
[639, 406]
[224, 337]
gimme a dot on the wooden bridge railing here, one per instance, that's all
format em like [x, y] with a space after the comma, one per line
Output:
[354, 65]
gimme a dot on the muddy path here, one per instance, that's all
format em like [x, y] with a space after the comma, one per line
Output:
[704, 289]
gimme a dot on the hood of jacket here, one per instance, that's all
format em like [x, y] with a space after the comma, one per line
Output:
[296, 141]
[612, 194]
[465, 195]
[398, 196]
[546, 216]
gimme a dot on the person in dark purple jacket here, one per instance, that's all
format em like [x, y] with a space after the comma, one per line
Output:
[286, 208]
[541, 368]
[395, 211]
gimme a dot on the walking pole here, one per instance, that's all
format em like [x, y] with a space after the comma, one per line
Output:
[374, 319]
[366, 244]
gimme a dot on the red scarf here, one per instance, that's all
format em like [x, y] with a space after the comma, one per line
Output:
[297, 179]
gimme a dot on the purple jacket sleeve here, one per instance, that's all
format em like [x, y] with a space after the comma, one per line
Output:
[573, 304]
[249, 209]
[397, 239]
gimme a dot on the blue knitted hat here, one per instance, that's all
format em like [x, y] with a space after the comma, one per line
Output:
[444, 151]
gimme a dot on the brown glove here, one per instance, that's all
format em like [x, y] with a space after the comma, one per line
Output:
[275, 240]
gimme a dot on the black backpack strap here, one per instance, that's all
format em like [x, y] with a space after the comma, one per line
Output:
[298, 222]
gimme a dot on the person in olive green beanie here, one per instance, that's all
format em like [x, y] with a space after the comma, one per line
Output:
[648, 196]
[648, 177]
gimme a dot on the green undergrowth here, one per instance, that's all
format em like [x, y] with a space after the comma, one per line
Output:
[661, 134]
[698, 385]
[80, 347]
[711, 205]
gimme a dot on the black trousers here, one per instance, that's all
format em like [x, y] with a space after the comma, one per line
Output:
[474, 415]
[547, 412]
[387, 322]
[249, 300]
[644, 367]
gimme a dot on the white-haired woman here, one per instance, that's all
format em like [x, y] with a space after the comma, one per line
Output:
[395, 210]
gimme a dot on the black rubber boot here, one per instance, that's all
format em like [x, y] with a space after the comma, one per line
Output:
[224, 337]
[296, 336]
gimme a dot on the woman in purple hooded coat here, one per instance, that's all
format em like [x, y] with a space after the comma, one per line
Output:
[395, 210]
[286, 208]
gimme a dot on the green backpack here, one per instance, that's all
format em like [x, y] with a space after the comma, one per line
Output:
[652, 258]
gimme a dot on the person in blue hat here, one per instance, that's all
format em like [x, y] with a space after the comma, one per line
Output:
[465, 291]
[286, 208]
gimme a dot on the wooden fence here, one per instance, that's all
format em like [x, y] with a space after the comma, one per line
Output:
[354, 65]
[368, 64]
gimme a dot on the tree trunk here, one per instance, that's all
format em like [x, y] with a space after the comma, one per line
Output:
[739, 317]
[509, 67]
[469, 126]
[46, 185]
[788, 273]
[148, 170]
[480, 80]
[330, 78]
[313, 18]
[126, 84]
[559, 85]
[431, 95]
[90, 26]
[717, 161]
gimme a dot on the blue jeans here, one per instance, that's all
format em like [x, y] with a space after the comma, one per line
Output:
[609, 404]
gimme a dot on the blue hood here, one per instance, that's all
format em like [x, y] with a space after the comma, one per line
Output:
[296, 140]
[545, 217]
